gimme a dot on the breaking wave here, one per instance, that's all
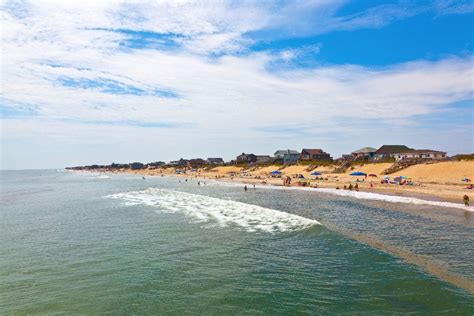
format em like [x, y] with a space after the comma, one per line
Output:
[217, 211]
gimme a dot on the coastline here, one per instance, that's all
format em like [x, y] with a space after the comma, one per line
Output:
[431, 194]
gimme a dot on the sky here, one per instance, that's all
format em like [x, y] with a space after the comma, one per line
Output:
[86, 82]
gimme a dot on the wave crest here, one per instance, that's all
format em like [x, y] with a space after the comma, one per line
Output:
[221, 212]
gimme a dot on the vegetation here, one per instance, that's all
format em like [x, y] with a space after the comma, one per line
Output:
[464, 157]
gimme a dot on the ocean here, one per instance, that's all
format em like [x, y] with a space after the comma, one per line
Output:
[86, 243]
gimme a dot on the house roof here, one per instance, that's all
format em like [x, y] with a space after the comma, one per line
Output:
[313, 151]
[365, 150]
[197, 160]
[215, 159]
[393, 149]
[246, 155]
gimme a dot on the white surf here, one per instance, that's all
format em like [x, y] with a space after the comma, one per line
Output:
[215, 211]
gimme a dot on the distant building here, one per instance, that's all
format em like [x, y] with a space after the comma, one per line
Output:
[157, 164]
[364, 153]
[178, 163]
[215, 161]
[287, 156]
[387, 151]
[421, 154]
[315, 154]
[261, 159]
[119, 166]
[197, 163]
[136, 166]
[246, 158]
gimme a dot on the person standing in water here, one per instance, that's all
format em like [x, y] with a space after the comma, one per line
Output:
[466, 200]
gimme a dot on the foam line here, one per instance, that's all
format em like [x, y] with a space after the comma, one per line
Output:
[358, 195]
[217, 211]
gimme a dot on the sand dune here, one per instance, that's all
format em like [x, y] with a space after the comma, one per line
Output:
[375, 168]
[266, 170]
[442, 172]
[223, 170]
[296, 169]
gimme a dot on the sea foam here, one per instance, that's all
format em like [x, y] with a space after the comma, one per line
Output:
[356, 195]
[215, 211]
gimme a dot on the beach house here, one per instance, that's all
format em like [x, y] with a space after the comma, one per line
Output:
[196, 163]
[154, 165]
[246, 158]
[262, 159]
[215, 161]
[136, 166]
[364, 153]
[314, 154]
[178, 163]
[421, 154]
[287, 155]
[390, 151]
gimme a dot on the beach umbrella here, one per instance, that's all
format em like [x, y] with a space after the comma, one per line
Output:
[276, 172]
[358, 173]
[316, 173]
[372, 175]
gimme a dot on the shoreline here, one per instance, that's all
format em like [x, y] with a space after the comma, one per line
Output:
[387, 193]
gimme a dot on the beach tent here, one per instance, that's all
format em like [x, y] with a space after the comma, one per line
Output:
[316, 173]
[276, 172]
[358, 173]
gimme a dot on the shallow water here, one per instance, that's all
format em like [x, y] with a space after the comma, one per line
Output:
[92, 243]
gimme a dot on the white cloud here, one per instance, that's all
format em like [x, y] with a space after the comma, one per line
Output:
[49, 41]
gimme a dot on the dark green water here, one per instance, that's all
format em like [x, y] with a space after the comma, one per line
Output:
[88, 244]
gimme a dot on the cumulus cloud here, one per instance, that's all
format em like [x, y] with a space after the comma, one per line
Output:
[73, 64]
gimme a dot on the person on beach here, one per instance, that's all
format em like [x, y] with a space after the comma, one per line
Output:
[466, 200]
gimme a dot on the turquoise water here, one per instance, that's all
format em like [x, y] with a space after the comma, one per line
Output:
[75, 243]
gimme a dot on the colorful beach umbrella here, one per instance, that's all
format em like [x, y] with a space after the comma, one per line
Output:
[358, 173]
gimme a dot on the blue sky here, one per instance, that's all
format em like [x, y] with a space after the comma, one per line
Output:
[113, 81]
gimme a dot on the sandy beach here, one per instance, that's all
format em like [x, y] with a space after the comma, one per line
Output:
[437, 181]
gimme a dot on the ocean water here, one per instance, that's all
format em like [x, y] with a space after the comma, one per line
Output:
[85, 243]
